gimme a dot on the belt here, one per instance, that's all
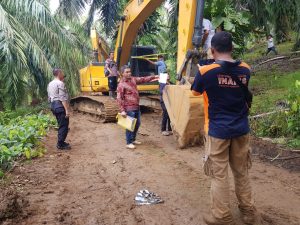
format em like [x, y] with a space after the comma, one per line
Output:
[56, 105]
[56, 101]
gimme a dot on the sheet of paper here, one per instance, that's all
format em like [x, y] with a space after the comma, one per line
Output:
[163, 77]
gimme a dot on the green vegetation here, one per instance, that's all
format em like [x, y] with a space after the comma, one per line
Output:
[261, 48]
[274, 89]
[225, 16]
[20, 136]
[270, 88]
[32, 42]
[284, 124]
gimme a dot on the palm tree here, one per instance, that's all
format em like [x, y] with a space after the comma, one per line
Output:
[277, 15]
[105, 12]
[32, 41]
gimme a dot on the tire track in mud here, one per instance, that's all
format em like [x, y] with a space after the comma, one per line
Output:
[101, 196]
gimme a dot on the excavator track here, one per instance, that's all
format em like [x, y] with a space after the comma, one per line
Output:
[103, 107]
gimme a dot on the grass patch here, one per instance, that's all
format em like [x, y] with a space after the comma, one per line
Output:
[7, 115]
[260, 50]
[269, 88]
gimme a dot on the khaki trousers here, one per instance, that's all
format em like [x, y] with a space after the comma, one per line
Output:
[219, 154]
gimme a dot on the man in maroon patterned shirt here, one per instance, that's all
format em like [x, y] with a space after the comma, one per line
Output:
[128, 100]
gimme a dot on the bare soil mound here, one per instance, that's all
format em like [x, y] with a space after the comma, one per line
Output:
[276, 154]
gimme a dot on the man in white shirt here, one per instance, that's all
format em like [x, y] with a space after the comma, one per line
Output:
[208, 33]
[271, 46]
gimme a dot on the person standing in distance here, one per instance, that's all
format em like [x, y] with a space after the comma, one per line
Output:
[59, 99]
[166, 129]
[128, 100]
[208, 33]
[271, 46]
[111, 71]
[161, 65]
[227, 131]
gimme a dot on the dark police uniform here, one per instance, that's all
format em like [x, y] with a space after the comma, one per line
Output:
[112, 77]
[57, 93]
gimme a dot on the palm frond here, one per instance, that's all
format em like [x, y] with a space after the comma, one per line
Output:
[173, 19]
[12, 45]
[109, 15]
[94, 6]
[71, 9]
[32, 41]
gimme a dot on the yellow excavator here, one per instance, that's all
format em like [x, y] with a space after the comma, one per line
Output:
[185, 110]
[94, 83]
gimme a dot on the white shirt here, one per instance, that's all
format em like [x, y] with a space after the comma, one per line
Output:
[270, 43]
[207, 25]
[57, 91]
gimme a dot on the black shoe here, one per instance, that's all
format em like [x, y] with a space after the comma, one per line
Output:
[63, 147]
[66, 144]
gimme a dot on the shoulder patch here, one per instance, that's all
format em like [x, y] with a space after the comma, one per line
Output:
[205, 69]
[243, 64]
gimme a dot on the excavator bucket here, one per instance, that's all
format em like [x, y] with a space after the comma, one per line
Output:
[186, 113]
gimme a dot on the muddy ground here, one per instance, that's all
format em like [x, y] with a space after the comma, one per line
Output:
[95, 182]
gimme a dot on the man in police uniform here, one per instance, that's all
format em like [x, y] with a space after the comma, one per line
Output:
[58, 96]
[111, 71]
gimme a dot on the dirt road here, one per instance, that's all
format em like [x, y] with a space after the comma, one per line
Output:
[95, 183]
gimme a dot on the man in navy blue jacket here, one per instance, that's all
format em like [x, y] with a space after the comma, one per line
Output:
[227, 130]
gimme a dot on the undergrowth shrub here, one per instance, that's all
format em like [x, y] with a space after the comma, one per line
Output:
[20, 136]
[283, 123]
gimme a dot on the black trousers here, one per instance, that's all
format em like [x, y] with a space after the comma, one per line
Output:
[165, 123]
[63, 126]
[272, 49]
[112, 83]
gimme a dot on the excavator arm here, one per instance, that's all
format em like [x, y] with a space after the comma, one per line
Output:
[189, 31]
[135, 14]
[189, 28]
[100, 47]
[185, 110]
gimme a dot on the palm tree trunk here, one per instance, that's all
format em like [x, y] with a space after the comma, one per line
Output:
[297, 44]
[1, 104]
[282, 29]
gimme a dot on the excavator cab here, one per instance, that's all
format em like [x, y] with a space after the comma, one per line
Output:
[140, 67]
[94, 83]
[93, 79]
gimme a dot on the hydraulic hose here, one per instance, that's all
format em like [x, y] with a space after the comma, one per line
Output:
[197, 36]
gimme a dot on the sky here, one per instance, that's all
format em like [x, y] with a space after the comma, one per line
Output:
[53, 5]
